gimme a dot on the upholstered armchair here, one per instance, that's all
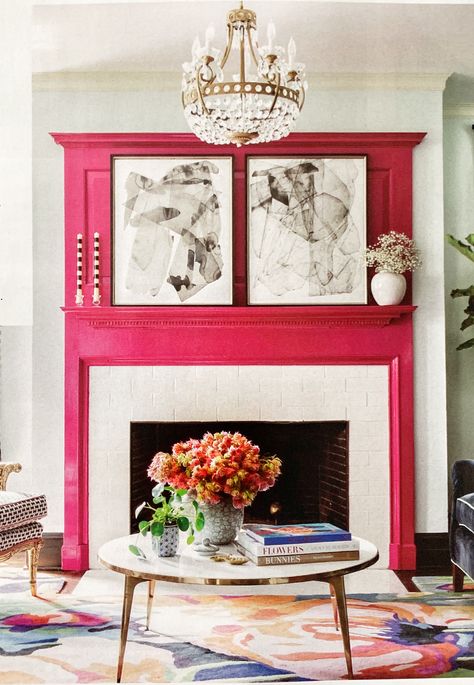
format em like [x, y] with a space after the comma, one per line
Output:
[20, 530]
[461, 530]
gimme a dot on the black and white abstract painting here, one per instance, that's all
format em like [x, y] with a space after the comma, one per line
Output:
[172, 230]
[307, 230]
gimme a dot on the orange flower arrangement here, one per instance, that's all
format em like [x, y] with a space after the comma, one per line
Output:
[219, 465]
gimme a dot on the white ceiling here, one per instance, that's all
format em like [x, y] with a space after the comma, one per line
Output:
[331, 36]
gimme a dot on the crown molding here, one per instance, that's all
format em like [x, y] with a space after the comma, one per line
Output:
[459, 110]
[171, 81]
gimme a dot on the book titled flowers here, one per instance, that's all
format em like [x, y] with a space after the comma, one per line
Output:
[295, 533]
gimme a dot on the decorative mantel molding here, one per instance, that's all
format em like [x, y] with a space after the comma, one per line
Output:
[253, 317]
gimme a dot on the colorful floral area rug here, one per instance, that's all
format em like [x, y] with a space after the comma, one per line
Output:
[441, 584]
[251, 638]
[17, 581]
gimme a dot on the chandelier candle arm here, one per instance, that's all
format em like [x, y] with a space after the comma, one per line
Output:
[240, 108]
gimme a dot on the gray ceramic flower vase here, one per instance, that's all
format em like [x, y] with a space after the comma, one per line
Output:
[222, 522]
[166, 545]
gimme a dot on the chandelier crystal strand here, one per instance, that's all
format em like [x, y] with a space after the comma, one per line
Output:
[241, 107]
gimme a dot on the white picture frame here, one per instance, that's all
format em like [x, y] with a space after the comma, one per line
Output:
[172, 230]
[307, 230]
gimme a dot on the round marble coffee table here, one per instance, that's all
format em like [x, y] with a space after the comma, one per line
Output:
[189, 567]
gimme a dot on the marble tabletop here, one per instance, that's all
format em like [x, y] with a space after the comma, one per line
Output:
[190, 567]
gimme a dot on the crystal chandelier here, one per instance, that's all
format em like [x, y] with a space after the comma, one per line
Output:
[260, 98]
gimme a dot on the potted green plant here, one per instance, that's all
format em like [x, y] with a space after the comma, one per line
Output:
[170, 514]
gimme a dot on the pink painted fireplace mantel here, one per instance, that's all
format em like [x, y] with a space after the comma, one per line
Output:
[109, 335]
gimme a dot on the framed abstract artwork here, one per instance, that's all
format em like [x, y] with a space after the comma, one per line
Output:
[172, 230]
[306, 230]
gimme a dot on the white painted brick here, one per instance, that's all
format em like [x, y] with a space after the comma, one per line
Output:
[368, 384]
[164, 375]
[267, 398]
[368, 442]
[316, 413]
[184, 374]
[373, 413]
[207, 372]
[358, 458]
[346, 371]
[249, 401]
[286, 413]
[379, 399]
[294, 397]
[297, 373]
[311, 375]
[242, 385]
[331, 398]
[356, 399]
[260, 372]
[379, 487]
[359, 488]
[378, 371]
[334, 385]
[199, 414]
[184, 387]
[228, 413]
[364, 428]
[379, 458]
[164, 409]
[206, 399]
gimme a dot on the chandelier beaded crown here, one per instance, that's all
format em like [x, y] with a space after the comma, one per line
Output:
[257, 101]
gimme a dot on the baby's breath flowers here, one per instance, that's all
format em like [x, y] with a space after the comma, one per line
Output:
[394, 252]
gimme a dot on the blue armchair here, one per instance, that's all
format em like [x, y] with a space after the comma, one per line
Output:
[461, 529]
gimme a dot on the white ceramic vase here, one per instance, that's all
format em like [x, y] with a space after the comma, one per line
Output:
[388, 288]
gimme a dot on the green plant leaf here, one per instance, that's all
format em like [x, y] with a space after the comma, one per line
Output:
[137, 551]
[157, 490]
[183, 523]
[195, 505]
[461, 247]
[468, 321]
[470, 238]
[157, 528]
[199, 523]
[181, 491]
[139, 509]
[190, 539]
[143, 527]
[466, 345]
[463, 292]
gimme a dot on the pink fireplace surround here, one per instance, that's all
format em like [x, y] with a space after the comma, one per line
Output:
[108, 335]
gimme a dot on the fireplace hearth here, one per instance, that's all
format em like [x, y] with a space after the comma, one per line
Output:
[314, 482]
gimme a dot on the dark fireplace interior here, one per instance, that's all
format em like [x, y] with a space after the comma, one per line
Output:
[314, 481]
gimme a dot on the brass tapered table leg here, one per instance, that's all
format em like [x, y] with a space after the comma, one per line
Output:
[334, 606]
[149, 606]
[130, 583]
[337, 583]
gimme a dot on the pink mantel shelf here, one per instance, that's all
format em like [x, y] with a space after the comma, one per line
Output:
[262, 317]
[109, 335]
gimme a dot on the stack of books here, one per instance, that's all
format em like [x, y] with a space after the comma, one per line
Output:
[301, 543]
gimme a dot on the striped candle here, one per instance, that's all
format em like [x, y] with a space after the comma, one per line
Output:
[96, 295]
[79, 294]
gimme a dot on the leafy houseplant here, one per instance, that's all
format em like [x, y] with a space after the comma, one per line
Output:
[467, 249]
[392, 255]
[170, 510]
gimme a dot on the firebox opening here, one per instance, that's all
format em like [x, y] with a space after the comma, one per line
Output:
[314, 481]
